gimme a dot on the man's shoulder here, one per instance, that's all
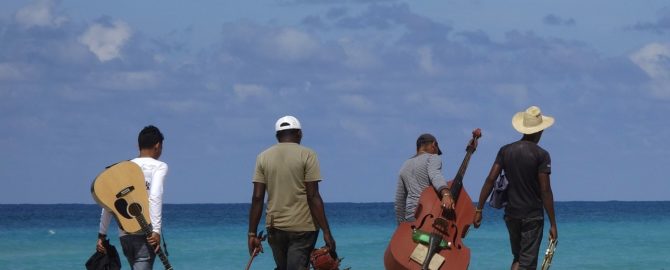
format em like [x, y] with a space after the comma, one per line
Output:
[149, 161]
[295, 146]
[524, 146]
[281, 147]
[420, 159]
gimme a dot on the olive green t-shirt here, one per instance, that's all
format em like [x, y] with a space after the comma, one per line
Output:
[284, 168]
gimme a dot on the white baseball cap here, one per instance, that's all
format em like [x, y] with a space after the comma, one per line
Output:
[287, 122]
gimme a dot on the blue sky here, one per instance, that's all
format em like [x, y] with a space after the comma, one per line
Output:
[79, 79]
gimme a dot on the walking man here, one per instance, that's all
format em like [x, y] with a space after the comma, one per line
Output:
[424, 169]
[139, 249]
[527, 167]
[290, 174]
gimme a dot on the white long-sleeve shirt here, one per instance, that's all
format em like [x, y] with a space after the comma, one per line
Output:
[154, 177]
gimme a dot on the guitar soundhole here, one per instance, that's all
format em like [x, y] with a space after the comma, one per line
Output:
[121, 207]
[135, 209]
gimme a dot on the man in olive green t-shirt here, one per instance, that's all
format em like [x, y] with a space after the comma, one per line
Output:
[290, 174]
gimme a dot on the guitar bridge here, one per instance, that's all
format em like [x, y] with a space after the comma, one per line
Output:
[441, 224]
[125, 191]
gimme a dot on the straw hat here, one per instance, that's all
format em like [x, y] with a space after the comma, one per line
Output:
[531, 121]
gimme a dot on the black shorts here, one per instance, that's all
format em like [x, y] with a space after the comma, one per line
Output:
[525, 236]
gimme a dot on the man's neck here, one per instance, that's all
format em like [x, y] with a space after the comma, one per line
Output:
[530, 138]
[147, 154]
[289, 141]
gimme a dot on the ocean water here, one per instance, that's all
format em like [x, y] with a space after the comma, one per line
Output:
[592, 235]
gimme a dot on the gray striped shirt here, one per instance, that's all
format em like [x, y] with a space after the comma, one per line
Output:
[416, 175]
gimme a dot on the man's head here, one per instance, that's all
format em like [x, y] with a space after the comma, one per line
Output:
[288, 129]
[531, 123]
[428, 143]
[151, 139]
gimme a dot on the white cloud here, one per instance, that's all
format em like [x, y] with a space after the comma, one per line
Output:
[183, 106]
[426, 60]
[244, 91]
[39, 13]
[358, 129]
[106, 41]
[517, 92]
[137, 80]
[294, 45]
[654, 60]
[441, 105]
[10, 72]
[358, 57]
[357, 102]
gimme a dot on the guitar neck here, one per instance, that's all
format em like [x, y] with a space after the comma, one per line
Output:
[457, 184]
[147, 232]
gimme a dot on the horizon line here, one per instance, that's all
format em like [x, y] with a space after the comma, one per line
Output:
[339, 202]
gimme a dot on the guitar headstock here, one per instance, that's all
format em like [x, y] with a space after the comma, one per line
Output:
[476, 134]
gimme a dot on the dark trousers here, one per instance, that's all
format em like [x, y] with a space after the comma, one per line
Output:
[291, 250]
[138, 252]
[525, 236]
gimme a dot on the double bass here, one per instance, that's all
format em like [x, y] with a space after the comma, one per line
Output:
[435, 239]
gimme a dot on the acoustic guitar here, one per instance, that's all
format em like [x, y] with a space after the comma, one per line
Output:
[121, 189]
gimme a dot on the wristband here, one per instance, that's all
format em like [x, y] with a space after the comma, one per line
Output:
[251, 234]
[102, 236]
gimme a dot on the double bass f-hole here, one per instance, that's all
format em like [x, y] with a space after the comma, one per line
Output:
[423, 221]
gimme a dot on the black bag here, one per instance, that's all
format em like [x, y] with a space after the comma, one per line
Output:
[499, 195]
[104, 261]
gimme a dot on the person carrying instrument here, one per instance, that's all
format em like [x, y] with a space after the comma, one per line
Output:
[527, 167]
[139, 249]
[417, 173]
[290, 174]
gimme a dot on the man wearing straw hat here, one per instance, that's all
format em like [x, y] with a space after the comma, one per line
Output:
[527, 167]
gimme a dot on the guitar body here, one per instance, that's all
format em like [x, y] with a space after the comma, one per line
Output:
[121, 189]
[457, 257]
[117, 188]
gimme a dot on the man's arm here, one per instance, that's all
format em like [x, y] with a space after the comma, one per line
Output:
[105, 219]
[318, 212]
[255, 212]
[156, 205]
[548, 202]
[400, 201]
[439, 182]
[485, 192]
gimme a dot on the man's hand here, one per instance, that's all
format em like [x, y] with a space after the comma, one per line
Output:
[553, 233]
[447, 200]
[330, 242]
[254, 243]
[99, 247]
[155, 241]
[478, 219]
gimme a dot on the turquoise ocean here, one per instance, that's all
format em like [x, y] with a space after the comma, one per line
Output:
[592, 235]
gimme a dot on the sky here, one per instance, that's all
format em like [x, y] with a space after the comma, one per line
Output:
[79, 79]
